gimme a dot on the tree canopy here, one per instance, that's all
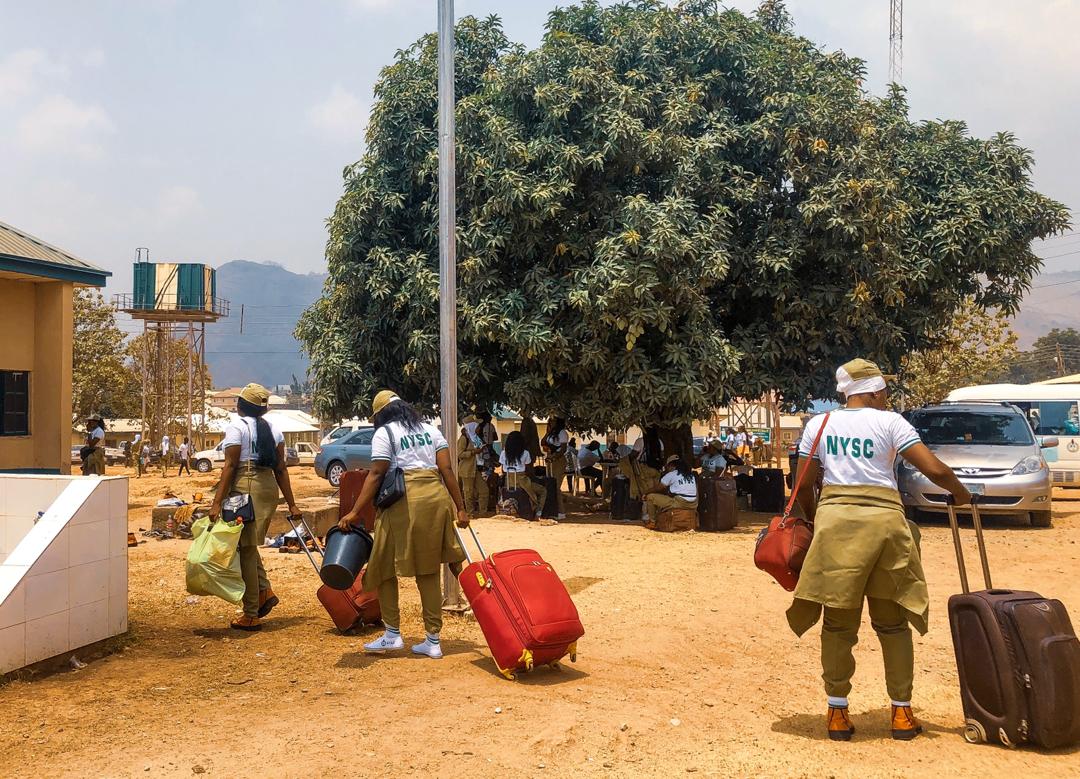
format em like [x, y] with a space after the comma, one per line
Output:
[976, 347]
[101, 381]
[660, 209]
[1056, 353]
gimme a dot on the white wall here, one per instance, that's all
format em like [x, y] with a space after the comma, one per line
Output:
[63, 579]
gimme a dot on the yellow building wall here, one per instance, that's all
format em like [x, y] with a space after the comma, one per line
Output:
[35, 319]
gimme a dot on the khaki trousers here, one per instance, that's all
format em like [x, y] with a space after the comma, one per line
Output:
[430, 587]
[475, 489]
[840, 634]
[536, 493]
[556, 468]
[657, 503]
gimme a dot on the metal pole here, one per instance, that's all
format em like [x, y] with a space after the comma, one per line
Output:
[448, 402]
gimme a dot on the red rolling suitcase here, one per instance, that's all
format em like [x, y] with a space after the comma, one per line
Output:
[348, 491]
[1018, 660]
[523, 608]
[348, 608]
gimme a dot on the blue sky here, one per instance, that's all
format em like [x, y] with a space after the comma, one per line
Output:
[213, 131]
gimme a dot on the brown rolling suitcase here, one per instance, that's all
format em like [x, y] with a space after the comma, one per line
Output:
[1018, 660]
[675, 520]
[347, 608]
[717, 503]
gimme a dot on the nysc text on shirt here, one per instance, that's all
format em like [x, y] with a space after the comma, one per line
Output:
[859, 446]
[412, 450]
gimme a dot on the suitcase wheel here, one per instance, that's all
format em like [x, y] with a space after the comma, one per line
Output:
[508, 674]
[974, 732]
[554, 665]
[572, 651]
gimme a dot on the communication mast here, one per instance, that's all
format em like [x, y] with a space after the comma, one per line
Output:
[896, 41]
[174, 301]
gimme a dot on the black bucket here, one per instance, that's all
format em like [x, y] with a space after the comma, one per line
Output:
[347, 551]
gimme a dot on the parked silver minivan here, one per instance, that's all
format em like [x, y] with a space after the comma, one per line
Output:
[993, 450]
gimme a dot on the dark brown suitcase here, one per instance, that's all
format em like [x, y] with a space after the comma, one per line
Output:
[1018, 659]
[717, 503]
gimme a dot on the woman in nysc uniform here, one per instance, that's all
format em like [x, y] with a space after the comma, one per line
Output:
[255, 465]
[414, 536]
[677, 489]
[516, 463]
[642, 465]
[863, 546]
[555, 443]
[93, 454]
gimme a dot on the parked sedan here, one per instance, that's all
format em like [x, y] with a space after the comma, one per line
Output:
[348, 453]
[210, 459]
[991, 447]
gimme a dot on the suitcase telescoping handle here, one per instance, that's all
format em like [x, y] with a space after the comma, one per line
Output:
[465, 546]
[303, 544]
[976, 520]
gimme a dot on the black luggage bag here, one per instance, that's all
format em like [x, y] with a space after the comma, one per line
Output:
[1018, 660]
[717, 503]
[767, 490]
[623, 508]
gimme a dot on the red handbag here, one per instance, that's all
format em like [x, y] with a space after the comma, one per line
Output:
[781, 547]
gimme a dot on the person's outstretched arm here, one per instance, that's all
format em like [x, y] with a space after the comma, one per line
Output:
[281, 474]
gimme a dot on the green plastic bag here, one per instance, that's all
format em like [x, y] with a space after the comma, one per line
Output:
[213, 565]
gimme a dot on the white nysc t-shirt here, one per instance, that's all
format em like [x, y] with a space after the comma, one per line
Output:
[412, 450]
[859, 446]
[519, 466]
[679, 486]
[241, 431]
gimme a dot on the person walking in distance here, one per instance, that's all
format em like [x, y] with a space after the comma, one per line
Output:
[144, 458]
[166, 454]
[414, 535]
[863, 547]
[184, 455]
[254, 465]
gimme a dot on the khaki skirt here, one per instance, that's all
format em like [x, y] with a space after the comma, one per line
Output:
[415, 536]
[261, 485]
[863, 547]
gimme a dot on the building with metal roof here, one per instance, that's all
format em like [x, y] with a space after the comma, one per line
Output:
[37, 281]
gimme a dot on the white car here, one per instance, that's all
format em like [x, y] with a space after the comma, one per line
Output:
[343, 430]
[211, 459]
[306, 452]
[208, 459]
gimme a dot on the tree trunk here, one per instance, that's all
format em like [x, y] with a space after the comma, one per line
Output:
[678, 440]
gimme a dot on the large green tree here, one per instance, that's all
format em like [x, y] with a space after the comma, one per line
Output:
[101, 380]
[660, 208]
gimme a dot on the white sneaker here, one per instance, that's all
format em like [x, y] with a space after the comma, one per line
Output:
[561, 517]
[385, 643]
[434, 651]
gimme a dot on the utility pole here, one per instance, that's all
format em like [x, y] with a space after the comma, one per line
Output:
[448, 401]
[896, 41]
[1060, 361]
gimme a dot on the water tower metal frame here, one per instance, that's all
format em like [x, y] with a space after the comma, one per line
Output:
[169, 317]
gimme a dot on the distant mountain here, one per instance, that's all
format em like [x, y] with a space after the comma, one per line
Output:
[268, 300]
[1051, 303]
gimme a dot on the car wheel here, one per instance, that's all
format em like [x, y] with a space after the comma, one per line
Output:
[334, 473]
[1041, 518]
[203, 466]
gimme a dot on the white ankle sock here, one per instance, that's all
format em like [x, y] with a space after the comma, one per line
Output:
[838, 703]
[901, 704]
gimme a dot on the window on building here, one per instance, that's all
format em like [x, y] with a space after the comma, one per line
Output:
[14, 403]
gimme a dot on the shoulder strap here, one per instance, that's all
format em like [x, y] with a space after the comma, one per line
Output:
[802, 471]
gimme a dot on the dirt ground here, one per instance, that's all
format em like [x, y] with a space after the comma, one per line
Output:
[687, 667]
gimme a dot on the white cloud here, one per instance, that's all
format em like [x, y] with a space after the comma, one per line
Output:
[60, 126]
[342, 116]
[177, 204]
[22, 71]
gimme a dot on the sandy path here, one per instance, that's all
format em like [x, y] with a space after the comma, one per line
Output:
[679, 628]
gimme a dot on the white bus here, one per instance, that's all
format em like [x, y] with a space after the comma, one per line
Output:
[1052, 410]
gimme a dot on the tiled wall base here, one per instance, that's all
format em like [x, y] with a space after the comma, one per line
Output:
[63, 578]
